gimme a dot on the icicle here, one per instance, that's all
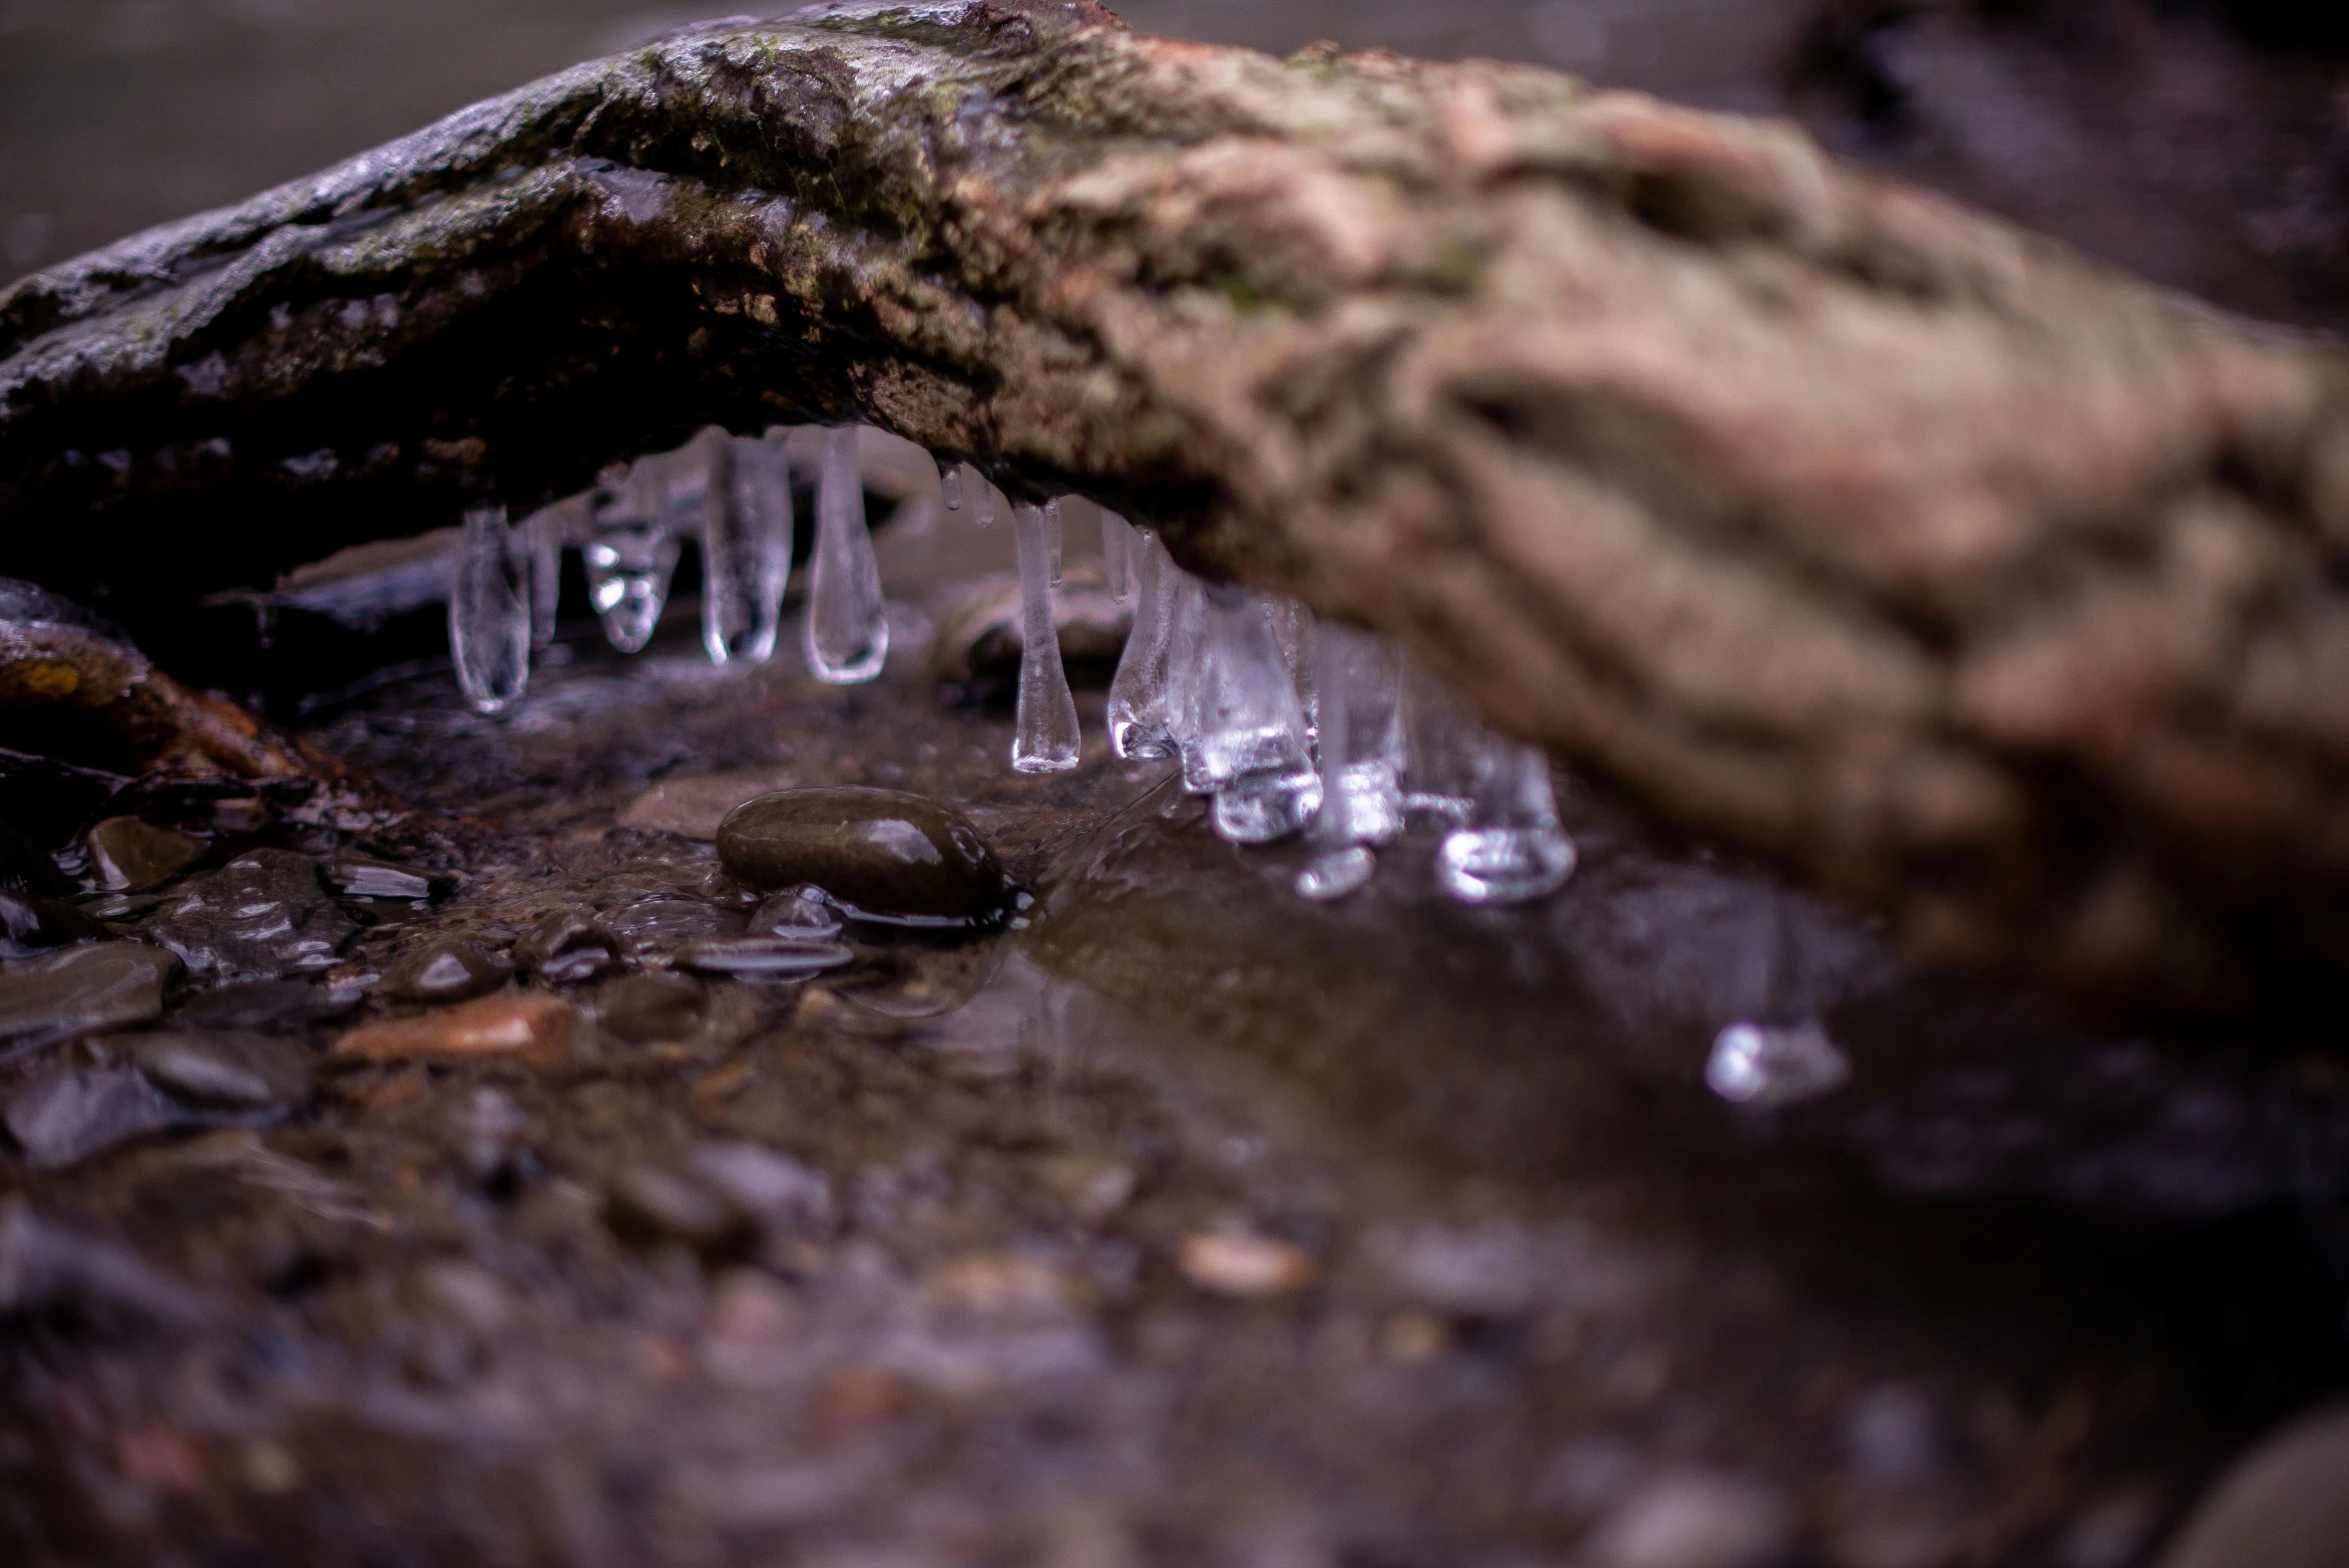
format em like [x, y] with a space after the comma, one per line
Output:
[1292, 634]
[1052, 535]
[543, 536]
[1445, 743]
[489, 610]
[1137, 696]
[1243, 735]
[1187, 671]
[1117, 553]
[630, 555]
[1511, 847]
[984, 512]
[1359, 680]
[746, 553]
[950, 483]
[1045, 737]
[847, 624]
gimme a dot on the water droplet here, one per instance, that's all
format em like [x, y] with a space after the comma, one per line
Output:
[983, 512]
[1334, 875]
[847, 623]
[950, 483]
[489, 610]
[1117, 550]
[1045, 737]
[746, 553]
[1511, 848]
[1768, 1065]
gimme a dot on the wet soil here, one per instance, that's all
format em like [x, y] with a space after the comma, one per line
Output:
[1181, 1222]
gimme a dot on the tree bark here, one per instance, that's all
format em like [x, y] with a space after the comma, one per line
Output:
[1983, 585]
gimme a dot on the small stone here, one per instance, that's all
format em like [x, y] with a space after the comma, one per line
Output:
[31, 924]
[659, 925]
[1093, 1186]
[540, 1030]
[881, 854]
[24, 869]
[449, 970]
[647, 1009]
[763, 958]
[774, 1187]
[127, 855]
[244, 1071]
[1693, 1519]
[81, 990]
[262, 916]
[647, 1206]
[70, 1113]
[2284, 1505]
[568, 947]
[1003, 1287]
[1242, 1264]
[693, 807]
[277, 1006]
[358, 876]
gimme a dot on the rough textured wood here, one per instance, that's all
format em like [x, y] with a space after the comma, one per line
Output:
[1977, 582]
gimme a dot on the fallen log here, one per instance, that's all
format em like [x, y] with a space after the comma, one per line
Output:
[1982, 585]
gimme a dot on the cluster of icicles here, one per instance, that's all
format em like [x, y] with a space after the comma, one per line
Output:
[1290, 725]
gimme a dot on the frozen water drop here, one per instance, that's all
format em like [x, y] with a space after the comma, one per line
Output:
[1052, 537]
[1332, 876]
[543, 537]
[629, 556]
[983, 510]
[1045, 737]
[1239, 724]
[1137, 695]
[746, 553]
[950, 483]
[489, 610]
[847, 623]
[1510, 848]
[1358, 679]
[1117, 549]
[1767, 1065]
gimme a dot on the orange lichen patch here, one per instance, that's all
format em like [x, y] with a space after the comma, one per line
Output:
[540, 1030]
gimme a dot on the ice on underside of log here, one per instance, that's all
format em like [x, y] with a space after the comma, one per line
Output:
[950, 483]
[746, 552]
[1237, 718]
[847, 623]
[1052, 539]
[1045, 737]
[630, 554]
[1137, 694]
[489, 610]
[1117, 551]
[1511, 847]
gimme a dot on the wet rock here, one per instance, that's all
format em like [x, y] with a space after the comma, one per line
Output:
[659, 925]
[44, 1265]
[236, 1070]
[542, 1031]
[449, 970]
[262, 916]
[694, 807]
[778, 1190]
[119, 906]
[568, 947]
[128, 856]
[204, 806]
[71, 1113]
[43, 802]
[1242, 1264]
[1693, 1519]
[646, 1009]
[1093, 1186]
[25, 869]
[2285, 1506]
[882, 854]
[81, 990]
[31, 924]
[647, 1206]
[802, 912]
[359, 876]
[764, 958]
[279, 1006]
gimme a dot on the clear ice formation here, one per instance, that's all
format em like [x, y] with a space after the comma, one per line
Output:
[847, 623]
[983, 512]
[1045, 738]
[1117, 551]
[490, 610]
[1511, 847]
[950, 483]
[1241, 728]
[1769, 1065]
[1331, 876]
[543, 536]
[746, 552]
[629, 554]
[1363, 745]
[1052, 537]
[1137, 695]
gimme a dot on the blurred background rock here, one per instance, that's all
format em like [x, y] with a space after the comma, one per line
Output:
[2203, 143]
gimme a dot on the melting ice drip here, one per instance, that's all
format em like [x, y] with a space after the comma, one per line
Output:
[1044, 735]
[847, 622]
[490, 595]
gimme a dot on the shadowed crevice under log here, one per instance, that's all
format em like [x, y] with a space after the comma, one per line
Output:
[1984, 586]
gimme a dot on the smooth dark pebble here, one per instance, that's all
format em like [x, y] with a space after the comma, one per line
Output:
[659, 924]
[282, 1006]
[81, 990]
[880, 853]
[239, 1069]
[262, 916]
[568, 947]
[70, 1113]
[30, 924]
[448, 970]
[646, 1206]
[763, 957]
[647, 1008]
[129, 856]
[359, 876]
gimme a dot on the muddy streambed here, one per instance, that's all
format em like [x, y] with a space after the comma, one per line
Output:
[1180, 1221]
